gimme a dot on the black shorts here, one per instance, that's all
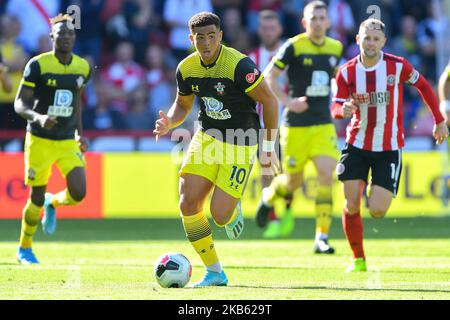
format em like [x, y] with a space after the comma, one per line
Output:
[386, 166]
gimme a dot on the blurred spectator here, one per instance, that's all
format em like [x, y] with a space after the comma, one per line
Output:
[34, 18]
[406, 45]
[139, 117]
[292, 13]
[14, 58]
[255, 6]
[234, 32]
[138, 15]
[221, 5]
[159, 86]
[123, 77]
[177, 14]
[342, 22]
[44, 45]
[427, 31]
[89, 36]
[103, 116]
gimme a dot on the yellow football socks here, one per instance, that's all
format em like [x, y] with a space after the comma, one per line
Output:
[63, 198]
[198, 232]
[324, 203]
[30, 222]
[278, 188]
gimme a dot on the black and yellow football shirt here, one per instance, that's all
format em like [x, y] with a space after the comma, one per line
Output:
[56, 91]
[222, 88]
[310, 68]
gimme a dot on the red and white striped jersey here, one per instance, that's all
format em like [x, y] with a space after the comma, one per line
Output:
[378, 123]
[262, 57]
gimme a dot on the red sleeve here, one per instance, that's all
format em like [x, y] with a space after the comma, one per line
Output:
[412, 77]
[430, 98]
[340, 97]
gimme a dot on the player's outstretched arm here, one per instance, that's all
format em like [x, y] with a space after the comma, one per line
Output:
[263, 94]
[181, 107]
[440, 130]
[444, 93]
[23, 107]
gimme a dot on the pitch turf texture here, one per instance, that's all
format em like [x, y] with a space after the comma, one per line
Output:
[408, 258]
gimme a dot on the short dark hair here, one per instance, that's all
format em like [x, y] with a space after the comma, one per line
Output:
[60, 18]
[268, 15]
[203, 19]
[316, 4]
[373, 24]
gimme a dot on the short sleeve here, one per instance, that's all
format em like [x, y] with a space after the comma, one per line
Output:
[31, 74]
[246, 75]
[409, 74]
[284, 56]
[183, 87]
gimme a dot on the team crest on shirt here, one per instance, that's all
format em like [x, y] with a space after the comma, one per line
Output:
[220, 88]
[390, 80]
[250, 77]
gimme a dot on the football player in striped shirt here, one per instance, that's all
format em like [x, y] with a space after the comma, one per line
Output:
[370, 91]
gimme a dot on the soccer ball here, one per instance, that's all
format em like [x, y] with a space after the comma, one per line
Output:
[173, 270]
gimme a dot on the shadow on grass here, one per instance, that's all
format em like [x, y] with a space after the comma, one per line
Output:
[172, 229]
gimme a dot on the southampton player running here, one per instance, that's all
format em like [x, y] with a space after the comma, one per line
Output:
[227, 84]
[307, 133]
[49, 98]
[370, 91]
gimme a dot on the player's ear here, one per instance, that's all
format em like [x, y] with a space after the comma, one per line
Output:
[220, 35]
[303, 23]
[191, 38]
[357, 39]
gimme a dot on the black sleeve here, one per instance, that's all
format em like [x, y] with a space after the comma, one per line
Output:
[246, 75]
[284, 56]
[183, 87]
[31, 73]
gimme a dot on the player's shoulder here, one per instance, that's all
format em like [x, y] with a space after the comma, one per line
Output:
[231, 57]
[188, 64]
[350, 63]
[334, 45]
[393, 58]
[80, 62]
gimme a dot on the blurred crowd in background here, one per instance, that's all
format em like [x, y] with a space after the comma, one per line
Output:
[134, 47]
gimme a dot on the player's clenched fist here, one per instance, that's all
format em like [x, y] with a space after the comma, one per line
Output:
[349, 108]
[162, 125]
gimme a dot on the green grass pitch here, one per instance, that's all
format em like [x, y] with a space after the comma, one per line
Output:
[408, 258]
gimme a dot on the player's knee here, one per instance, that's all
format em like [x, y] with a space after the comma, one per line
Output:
[352, 206]
[188, 205]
